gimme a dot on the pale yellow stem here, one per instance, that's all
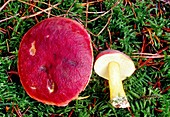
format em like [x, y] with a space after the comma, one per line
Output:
[117, 94]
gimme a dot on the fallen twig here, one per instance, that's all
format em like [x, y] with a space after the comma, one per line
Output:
[90, 3]
[157, 56]
[150, 59]
[87, 8]
[70, 8]
[108, 21]
[5, 4]
[148, 55]
[104, 12]
[49, 12]
[110, 36]
[37, 13]
[89, 12]
[8, 18]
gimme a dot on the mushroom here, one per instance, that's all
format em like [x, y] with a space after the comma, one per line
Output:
[55, 61]
[115, 66]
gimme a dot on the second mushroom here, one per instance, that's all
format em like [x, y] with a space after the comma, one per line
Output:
[115, 66]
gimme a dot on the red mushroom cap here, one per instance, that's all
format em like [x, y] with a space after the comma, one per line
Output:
[55, 61]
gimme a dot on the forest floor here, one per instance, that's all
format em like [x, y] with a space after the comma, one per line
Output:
[140, 29]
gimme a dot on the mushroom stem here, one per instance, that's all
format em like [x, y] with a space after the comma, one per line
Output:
[117, 94]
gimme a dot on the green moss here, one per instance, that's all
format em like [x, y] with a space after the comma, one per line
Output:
[127, 34]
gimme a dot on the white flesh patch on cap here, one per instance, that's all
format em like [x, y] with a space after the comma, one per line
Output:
[32, 50]
[33, 87]
[47, 36]
[50, 85]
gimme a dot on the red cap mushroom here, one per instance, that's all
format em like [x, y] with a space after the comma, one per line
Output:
[55, 61]
[115, 66]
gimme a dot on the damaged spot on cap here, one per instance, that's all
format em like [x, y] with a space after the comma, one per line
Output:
[43, 68]
[50, 85]
[33, 87]
[32, 49]
[47, 36]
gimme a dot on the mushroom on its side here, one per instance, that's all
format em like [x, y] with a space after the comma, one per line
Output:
[115, 66]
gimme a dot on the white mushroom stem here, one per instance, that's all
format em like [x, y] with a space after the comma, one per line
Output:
[117, 94]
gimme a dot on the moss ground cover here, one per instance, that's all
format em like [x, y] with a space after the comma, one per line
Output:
[139, 28]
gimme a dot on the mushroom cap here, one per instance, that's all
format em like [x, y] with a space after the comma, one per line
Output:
[126, 64]
[55, 61]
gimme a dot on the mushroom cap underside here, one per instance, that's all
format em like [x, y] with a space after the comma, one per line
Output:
[127, 66]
